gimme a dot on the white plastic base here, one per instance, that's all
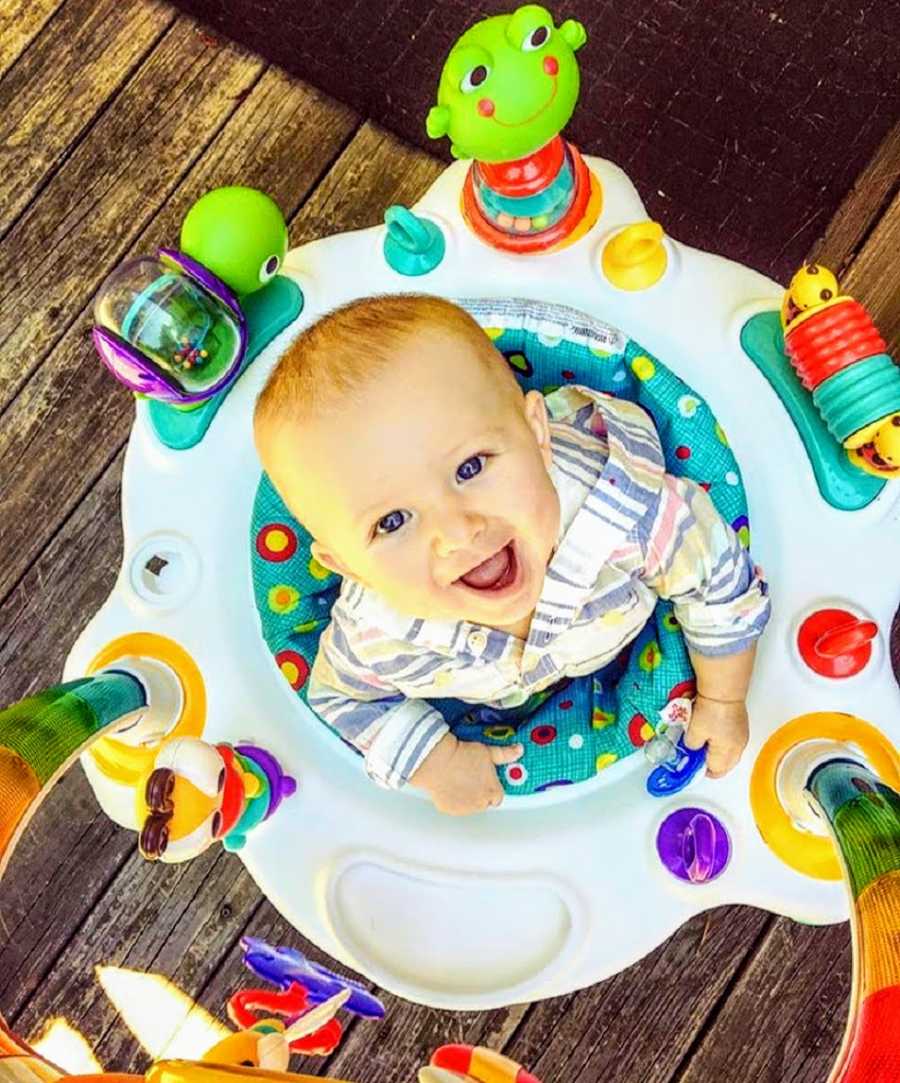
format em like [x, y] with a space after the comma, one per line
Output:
[552, 892]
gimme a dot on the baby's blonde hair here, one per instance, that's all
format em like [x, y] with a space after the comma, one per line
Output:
[333, 360]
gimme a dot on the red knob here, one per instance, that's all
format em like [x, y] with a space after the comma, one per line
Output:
[836, 643]
[846, 638]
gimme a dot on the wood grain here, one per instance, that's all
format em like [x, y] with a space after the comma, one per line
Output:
[21, 21]
[874, 276]
[71, 416]
[58, 90]
[786, 1018]
[109, 189]
[639, 1024]
[862, 207]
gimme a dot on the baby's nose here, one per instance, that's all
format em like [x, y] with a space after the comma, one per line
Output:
[457, 531]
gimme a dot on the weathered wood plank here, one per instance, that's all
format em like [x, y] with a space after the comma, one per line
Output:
[873, 275]
[58, 88]
[21, 21]
[152, 917]
[374, 171]
[785, 1019]
[68, 856]
[862, 206]
[191, 954]
[281, 138]
[640, 1023]
[24, 651]
[71, 415]
[108, 190]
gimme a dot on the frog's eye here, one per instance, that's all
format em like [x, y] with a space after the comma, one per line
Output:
[474, 78]
[537, 39]
[269, 268]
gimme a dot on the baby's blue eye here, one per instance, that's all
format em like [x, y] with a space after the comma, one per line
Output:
[387, 524]
[470, 468]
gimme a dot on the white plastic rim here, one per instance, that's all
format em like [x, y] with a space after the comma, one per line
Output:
[595, 844]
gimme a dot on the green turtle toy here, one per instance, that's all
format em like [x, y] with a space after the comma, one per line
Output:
[237, 233]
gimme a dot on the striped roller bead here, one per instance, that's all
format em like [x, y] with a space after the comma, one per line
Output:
[831, 340]
[855, 397]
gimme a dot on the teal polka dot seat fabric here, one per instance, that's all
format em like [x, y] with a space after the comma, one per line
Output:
[580, 727]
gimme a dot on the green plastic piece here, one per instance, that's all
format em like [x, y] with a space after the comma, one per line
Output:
[841, 484]
[268, 312]
[48, 728]
[865, 817]
[413, 245]
[508, 86]
[237, 233]
[858, 395]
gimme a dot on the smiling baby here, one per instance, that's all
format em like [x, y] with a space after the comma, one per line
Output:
[460, 512]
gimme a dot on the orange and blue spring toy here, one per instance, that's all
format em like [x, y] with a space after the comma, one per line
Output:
[839, 355]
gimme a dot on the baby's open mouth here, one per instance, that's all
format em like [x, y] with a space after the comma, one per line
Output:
[496, 573]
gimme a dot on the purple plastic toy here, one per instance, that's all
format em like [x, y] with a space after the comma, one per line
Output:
[169, 329]
[694, 845]
[282, 966]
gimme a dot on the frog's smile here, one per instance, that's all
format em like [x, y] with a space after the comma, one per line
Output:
[534, 116]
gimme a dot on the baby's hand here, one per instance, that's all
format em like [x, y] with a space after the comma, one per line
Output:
[725, 730]
[460, 777]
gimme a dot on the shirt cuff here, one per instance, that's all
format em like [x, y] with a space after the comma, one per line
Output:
[408, 736]
[729, 627]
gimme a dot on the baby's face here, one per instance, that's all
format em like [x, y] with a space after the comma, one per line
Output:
[435, 492]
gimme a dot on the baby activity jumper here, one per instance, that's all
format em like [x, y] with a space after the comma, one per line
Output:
[184, 695]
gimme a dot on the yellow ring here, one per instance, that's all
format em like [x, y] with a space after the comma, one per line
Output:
[588, 220]
[119, 761]
[809, 854]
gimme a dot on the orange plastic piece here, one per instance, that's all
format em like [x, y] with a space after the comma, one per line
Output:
[19, 788]
[812, 855]
[525, 176]
[482, 1064]
[836, 643]
[877, 927]
[546, 240]
[189, 1071]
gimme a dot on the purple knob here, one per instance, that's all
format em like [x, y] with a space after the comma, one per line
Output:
[694, 845]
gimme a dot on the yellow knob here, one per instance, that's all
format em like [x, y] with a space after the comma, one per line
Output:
[636, 258]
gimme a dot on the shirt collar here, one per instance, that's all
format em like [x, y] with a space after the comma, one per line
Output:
[593, 523]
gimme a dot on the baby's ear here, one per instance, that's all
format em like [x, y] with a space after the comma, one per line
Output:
[539, 423]
[328, 560]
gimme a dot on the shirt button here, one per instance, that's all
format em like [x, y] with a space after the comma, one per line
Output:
[477, 641]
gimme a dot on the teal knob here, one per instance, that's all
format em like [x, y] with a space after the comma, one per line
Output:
[413, 245]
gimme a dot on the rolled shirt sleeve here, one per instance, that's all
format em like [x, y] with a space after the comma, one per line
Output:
[394, 733]
[694, 558]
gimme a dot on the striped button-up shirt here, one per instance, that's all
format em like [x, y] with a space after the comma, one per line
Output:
[629, 533]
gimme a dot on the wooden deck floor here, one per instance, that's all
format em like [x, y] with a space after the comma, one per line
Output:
[115, 115]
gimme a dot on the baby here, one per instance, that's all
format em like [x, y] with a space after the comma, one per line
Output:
[491, 542]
